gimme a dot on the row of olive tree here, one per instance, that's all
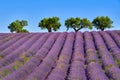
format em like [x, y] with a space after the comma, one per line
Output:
[53, 24]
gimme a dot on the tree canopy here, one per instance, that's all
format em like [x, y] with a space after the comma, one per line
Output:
[24, 30]
[17, 26]
[77, 23]
[102, 22]
[50, 24]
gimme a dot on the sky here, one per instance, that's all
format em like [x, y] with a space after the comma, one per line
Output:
[35, 10]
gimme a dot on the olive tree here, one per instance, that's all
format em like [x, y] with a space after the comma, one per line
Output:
[77, 23]
[102, 22]
[50, 24]
[17, 26]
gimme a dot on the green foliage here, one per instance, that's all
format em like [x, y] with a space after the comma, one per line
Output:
[1, 56]
[20, 62]
[25, 58]
[111, 79]
[92, 60]
[77, 23]
[100, 62]
[117, 62]
[24, 31]
[15, 67]
[4, 73]
[50, 24]
[23, 23]
[107, 67]
[102, 22]
[17, 26]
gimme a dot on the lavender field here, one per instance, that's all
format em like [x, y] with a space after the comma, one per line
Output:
[60, 56]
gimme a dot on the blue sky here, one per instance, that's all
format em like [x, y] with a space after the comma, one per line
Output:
[35, 10]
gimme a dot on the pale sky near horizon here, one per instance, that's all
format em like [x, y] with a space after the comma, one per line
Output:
[35, 10]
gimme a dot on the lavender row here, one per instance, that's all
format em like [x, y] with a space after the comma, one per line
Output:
[95, 72]
[37, 45]
[77, 68]
[22, 59]
[115, 36]
[117, 31]
[15, 46]
[109, 65]
[41, 72]
[10, 42]
[15, 54]
[60, 72]
[112, 46]
[4, 71]
[8, 36]
[93, 68]
[4, 39]
[5, 35]
[35, 61]
[91, 55]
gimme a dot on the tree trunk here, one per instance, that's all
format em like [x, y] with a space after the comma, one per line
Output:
[102, 29]
[17, 31]
[49, 30]
[76, 30]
